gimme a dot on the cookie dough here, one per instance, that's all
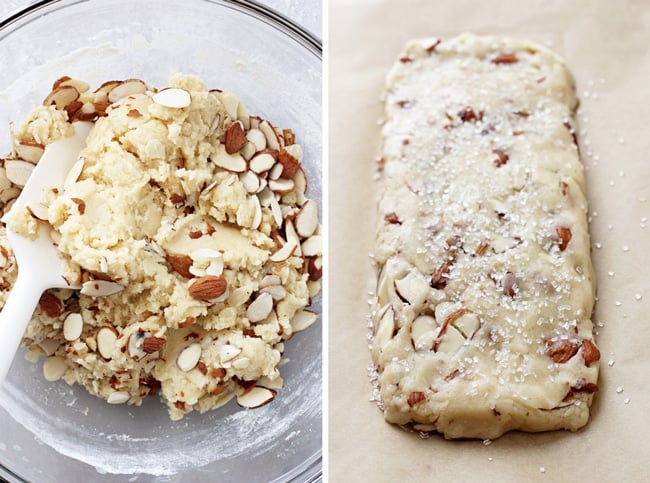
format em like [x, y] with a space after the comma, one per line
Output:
[485, 285]
[186, 224]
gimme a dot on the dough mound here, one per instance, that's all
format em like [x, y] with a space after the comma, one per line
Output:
[184, 293]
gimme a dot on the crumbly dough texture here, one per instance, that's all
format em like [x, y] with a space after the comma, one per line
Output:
[150, 204]
[485, 283]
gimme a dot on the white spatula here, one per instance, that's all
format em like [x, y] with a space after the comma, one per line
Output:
[39, 264]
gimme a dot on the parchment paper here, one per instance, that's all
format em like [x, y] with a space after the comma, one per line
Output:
[607, 47]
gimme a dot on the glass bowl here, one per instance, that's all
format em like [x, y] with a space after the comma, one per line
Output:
[54, 432]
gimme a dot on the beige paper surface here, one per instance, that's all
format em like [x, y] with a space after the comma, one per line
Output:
[606, 44]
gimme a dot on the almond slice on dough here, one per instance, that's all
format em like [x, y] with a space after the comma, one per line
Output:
[172, 97]
[256, 397]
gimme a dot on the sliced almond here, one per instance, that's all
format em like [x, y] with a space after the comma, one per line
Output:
[403, 289]
[315, 268]
[444, 309]
[235, 138]
[275, 383]
[72, 109]
[307, 219]
[101, 93]
[250, 181]
[73, 326]
[55, 236]
[231, 162]
[248, 150]
[256, 397]
[231, 103]
[30, 152]
[231, 180]
[196, 271]
[423, 332]
[38, 211]
[101, 288]
[205, 191]
[173, 97]
[61, 97]
[118, 397]
[269, 280]
[385, 328]
[276, 172]
[313, 246]
[415, 398]
[385, 286]
[103, 265]
[216, 124]
[152, 344]
[9, 195]
[208, 287]
[54, 368]
[261, 162]
[272, 140]
[5, 184]
[101, 107]
[263, 184]
[278, 292]
[86, 112]
[288, 136]
[257, 217]
[467, 324]
[303, 319]
[590, 352]
[266, 197]
[300, 180]
[258, 139]
[153, 247]
[290, 158]
[239, 296]
[281, 186]
[216, 267]
[509, 285]
[285, 252]
[106, 342]
[51, 304]
[189, 357]
[74, 173]
[81, 205]
[450, 341]
[127, 88]
[49, 346]
[18, 171]
[135, 344]
[260, 308]
[276, 211]
[291, 234]
[242, 116]
[241, 363]
[290, 229]
[80, 85]
[561, 350]
[180, 264]
[228, 352]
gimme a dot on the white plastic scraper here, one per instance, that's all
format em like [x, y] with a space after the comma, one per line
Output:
[39, 264]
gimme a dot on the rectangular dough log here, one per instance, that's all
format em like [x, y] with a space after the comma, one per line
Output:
[485, 284]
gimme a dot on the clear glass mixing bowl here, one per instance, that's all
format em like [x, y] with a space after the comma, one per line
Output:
[53, 432]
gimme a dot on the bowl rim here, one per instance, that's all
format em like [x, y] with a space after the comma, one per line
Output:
[267, 14]
[311, 470]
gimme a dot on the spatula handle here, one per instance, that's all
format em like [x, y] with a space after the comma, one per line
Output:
[14, 317]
